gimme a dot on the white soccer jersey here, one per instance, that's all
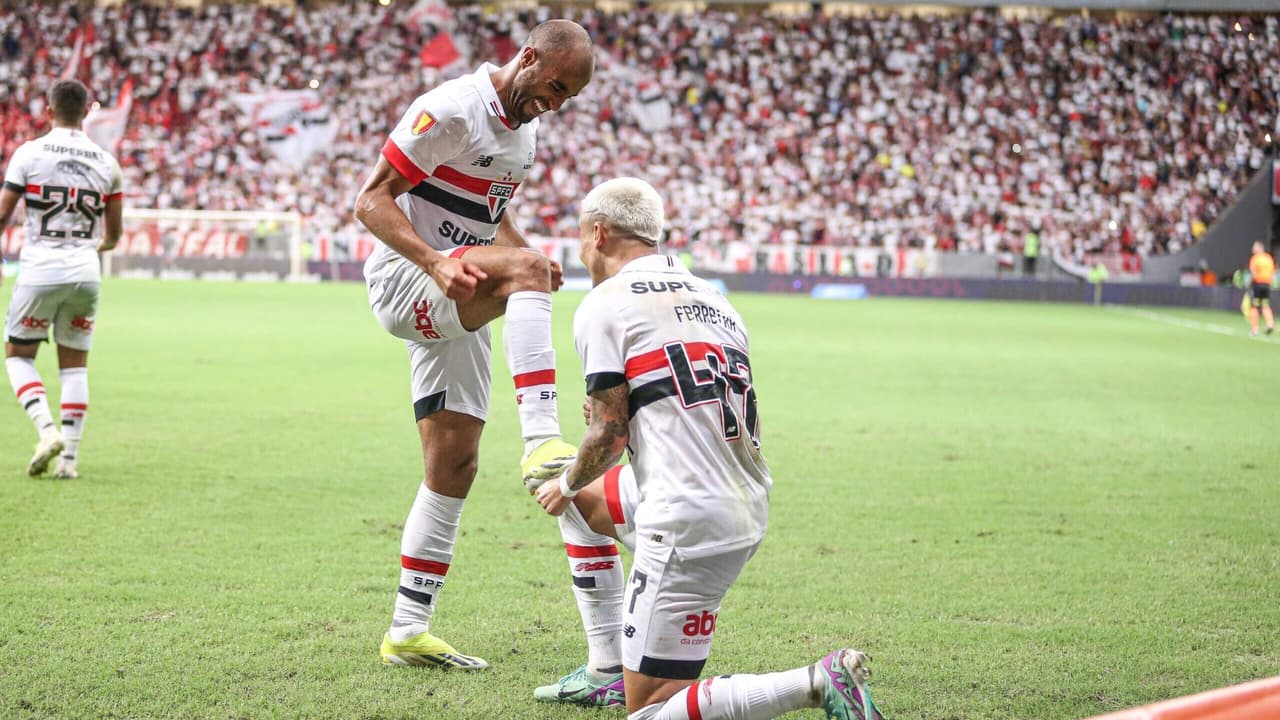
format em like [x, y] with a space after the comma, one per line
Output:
[682, 350]
[66, 181]
[466, 161]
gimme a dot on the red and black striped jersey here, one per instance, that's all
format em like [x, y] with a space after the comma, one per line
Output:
[466, 160]
[683, 352]
[66, 181]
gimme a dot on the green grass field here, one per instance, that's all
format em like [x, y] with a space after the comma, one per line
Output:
[1020, 511]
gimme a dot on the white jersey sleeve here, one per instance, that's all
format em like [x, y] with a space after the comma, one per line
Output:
[115, 190]
[432, 132]
[15, 176]
[598, 334]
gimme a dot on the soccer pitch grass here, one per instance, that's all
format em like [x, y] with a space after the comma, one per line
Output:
[1020, 511]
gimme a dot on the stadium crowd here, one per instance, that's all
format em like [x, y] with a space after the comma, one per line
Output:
[956, 131]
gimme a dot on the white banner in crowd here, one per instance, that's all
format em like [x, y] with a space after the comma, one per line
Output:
[651, 109]
[729, 259]
[156, 240]
[105, 126]
[741, 257]
[294, 124]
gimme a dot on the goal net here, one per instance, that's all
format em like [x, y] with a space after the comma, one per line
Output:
[209, 244]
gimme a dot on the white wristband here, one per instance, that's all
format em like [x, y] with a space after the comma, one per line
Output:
[564, 487]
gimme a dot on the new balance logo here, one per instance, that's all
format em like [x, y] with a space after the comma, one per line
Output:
[629, 630]
[483, 161]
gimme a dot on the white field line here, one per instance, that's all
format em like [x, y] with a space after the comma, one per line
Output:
[1240, 332]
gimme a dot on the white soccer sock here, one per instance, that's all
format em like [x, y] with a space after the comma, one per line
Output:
[426, 549]
[75, 406]
[596, 567]
[526, 338]
[29, 388]
[741, 697]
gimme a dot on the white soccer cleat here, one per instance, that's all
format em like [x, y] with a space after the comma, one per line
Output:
[66, 470]
[49, 447]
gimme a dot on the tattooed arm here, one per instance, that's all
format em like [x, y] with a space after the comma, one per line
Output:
[606, 438]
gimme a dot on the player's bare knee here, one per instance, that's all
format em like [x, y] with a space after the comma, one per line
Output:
[453, 468]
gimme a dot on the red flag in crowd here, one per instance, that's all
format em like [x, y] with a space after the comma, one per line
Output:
[439, 52]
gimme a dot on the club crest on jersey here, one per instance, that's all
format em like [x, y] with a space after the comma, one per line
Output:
[425, 122]
[499, 195]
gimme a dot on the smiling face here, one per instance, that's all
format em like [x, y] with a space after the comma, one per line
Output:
[545, 80]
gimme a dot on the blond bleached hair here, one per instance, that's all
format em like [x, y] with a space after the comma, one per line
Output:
[628, 206]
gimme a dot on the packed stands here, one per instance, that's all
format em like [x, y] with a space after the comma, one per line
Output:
[958, 132]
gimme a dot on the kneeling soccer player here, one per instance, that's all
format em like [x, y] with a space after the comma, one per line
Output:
[668, 377]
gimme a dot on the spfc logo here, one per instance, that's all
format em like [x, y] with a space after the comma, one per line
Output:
[499, 195]
[425, 122]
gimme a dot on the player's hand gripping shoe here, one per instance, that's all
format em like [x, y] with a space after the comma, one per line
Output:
[49, 447]
[66, 470]
[582, 688]
[429, 650]
[546, 461]
[847, 696]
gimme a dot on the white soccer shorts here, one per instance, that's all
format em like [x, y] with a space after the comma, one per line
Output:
[68, 310]
[450, 366]
[671, 606]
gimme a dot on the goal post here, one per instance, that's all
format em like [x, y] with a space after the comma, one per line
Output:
[213, 244]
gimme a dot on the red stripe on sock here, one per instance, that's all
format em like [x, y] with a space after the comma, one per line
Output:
[28, 386]
[587, 551]
[426, 566]
[75, 406]
[537, 377]
[691, 702]
[613, 496]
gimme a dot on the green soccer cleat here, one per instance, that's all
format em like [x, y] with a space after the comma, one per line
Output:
[582, 688]
[847, 696]
[427, 650]
[546, 461]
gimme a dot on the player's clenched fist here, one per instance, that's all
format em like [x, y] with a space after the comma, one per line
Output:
[458, 279]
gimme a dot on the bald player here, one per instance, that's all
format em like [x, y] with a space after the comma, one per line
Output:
[451, 260]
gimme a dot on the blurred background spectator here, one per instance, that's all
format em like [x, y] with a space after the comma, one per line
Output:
[968, 132]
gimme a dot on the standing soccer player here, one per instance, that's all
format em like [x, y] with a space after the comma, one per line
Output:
[669, 380]
[72, 190]
[1262, 268]
[450, 261]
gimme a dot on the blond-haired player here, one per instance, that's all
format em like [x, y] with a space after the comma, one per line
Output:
[668, 373]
